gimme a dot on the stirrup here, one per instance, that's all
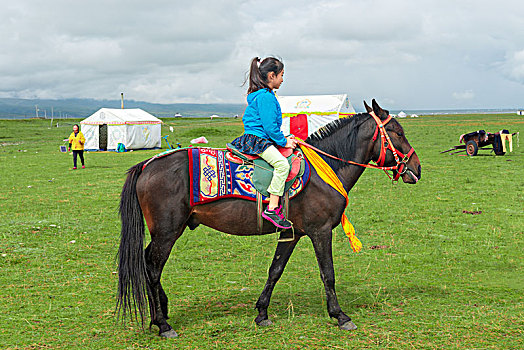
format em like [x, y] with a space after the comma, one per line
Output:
[287, 239]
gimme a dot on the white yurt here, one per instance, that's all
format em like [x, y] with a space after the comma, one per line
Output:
[303, 115]
[133, 127]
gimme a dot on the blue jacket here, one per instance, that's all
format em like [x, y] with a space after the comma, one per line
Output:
[263, 117]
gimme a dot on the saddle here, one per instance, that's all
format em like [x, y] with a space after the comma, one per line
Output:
[218, 173]
[263, 171]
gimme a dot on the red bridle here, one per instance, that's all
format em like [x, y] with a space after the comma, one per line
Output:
[385, 144]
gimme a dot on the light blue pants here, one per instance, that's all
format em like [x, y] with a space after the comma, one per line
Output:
[281, 165]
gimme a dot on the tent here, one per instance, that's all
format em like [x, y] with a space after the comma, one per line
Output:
[108, 127]
[303, 115]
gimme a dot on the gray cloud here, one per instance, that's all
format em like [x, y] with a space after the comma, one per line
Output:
[410, 54]
[464, 95]
[513, 66]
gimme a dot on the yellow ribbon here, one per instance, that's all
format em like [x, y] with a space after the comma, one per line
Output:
[328, 175]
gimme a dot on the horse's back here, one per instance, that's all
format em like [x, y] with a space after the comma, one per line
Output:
[164, 171]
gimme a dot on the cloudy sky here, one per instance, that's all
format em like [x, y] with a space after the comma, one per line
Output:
[409, 54]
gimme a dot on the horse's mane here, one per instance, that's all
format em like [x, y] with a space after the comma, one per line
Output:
[337, 137]
[337, 124]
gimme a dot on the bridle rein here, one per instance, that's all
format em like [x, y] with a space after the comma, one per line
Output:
[401, 159]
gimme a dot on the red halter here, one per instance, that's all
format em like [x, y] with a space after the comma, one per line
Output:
[385, 144]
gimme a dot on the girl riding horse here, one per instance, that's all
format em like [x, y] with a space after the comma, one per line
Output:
[262, 121]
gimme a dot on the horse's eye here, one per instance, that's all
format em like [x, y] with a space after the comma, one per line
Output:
[400, 134]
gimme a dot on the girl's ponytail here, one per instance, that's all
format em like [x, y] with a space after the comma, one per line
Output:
[256, 81]
[259, 70]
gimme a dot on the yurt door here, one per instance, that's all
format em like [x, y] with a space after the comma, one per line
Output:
[102, 137]
[298, 126]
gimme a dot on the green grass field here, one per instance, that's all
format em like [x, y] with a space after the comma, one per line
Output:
[429, 276]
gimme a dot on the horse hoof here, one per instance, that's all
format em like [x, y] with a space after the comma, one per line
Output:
[169, 334]
[265, 323]
[348, 326]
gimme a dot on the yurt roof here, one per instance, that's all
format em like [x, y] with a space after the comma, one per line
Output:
[117, 116]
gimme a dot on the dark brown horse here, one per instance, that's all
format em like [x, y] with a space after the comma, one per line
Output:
[160, 193]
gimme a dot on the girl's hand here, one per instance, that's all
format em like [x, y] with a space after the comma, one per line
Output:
[291, 142]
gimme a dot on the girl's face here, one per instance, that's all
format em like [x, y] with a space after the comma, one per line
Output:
[275, 80]
[75, 128]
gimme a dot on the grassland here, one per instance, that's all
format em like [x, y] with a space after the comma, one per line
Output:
[429, 276]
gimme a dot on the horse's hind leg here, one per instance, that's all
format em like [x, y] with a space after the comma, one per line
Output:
[161, 295]
[282, 254]
[157, 253]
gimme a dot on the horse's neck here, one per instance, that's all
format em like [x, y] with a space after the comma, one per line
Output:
[348, 174]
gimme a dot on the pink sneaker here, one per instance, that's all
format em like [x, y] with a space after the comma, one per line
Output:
[280, 212]
[74, 168]
[276, 219]
[83, 166]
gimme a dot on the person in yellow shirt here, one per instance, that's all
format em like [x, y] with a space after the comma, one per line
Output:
[76, 143]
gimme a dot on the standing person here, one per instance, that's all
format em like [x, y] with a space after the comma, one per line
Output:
[76, 143]
[262, 121]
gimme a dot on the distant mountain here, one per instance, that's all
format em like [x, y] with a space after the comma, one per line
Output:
[81, 108]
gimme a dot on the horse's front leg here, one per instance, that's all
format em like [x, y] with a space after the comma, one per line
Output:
[282, 254]
[323, 251]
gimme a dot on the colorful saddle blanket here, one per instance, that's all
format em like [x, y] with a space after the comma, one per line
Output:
[212, 176]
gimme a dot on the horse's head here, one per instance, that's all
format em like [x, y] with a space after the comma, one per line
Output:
[392, 148]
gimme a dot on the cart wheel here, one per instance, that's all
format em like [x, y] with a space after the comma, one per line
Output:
[472, 148]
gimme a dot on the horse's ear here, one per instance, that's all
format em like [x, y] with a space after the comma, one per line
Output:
[368, 109]
[379, 112]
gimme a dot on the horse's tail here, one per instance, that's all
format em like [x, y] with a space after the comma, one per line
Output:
[132, 278]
